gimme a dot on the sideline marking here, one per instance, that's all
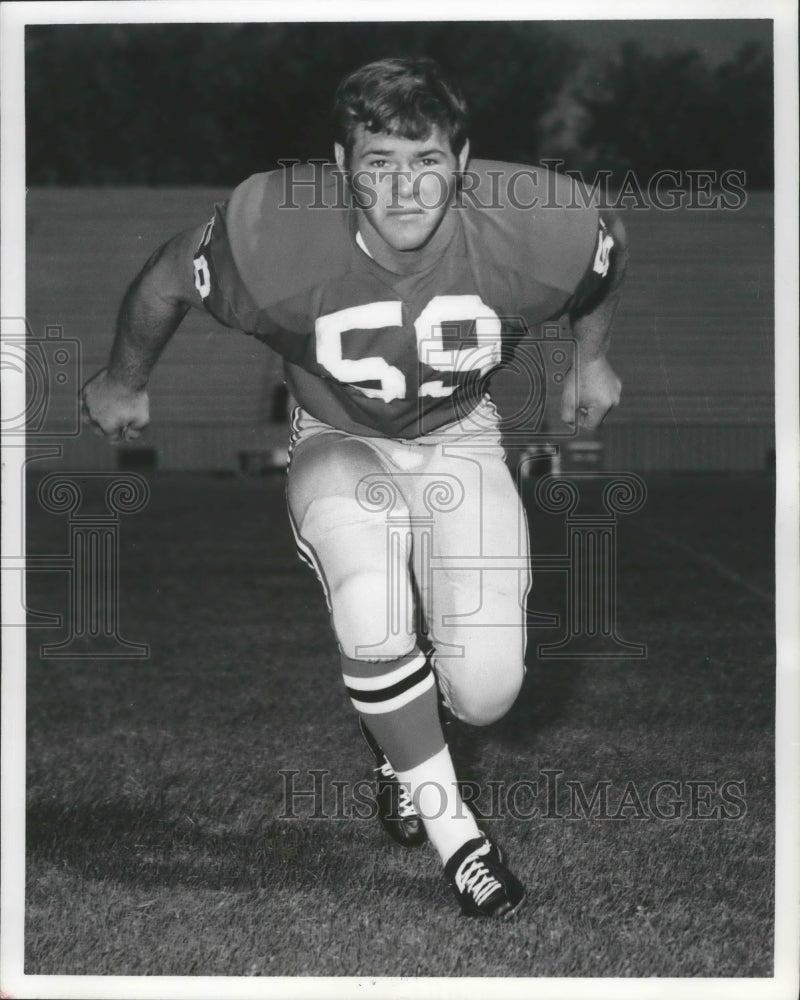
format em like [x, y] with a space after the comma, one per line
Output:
[710, 561]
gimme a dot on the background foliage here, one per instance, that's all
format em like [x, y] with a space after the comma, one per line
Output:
[208, 104]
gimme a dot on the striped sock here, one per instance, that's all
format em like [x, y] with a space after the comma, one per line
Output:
[397, 701]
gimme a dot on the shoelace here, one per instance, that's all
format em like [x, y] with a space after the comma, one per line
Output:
[474, 877]
[405, 804]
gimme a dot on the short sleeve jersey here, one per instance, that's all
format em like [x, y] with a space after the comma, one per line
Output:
[380, 353]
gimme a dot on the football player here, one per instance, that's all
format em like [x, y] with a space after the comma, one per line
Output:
[392, 284]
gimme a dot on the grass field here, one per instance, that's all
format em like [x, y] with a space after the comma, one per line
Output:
[155, 839]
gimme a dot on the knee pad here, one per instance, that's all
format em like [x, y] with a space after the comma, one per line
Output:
[372, 617]
[365, 575]
[480, 688]
[482, 709]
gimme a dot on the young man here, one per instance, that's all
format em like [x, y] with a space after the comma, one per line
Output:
[391, 288]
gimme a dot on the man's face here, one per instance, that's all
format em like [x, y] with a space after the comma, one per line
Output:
[403, 186]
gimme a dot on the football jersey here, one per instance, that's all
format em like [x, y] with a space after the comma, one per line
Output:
[395, 352]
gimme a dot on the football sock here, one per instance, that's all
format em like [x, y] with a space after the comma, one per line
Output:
[434, 791]
[397, 701]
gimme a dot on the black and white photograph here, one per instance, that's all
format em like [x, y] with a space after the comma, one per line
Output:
[400, 546]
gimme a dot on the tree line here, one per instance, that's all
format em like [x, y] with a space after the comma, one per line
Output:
[187, 104]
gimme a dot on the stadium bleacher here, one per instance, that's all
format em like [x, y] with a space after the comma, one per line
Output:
[693, 339]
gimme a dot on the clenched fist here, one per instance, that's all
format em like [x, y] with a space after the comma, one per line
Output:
[113, 408]
[597, 391]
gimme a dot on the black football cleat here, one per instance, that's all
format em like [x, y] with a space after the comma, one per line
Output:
[396, 810]
[483, 885]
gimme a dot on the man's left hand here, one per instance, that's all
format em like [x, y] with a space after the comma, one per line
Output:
[596, 393]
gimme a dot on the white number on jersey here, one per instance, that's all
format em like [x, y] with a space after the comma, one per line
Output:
[605, 245]
[444, 309]
[441, 310]
[202, 276]
[372, 316]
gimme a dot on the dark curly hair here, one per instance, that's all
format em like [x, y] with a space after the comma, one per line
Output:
[406, 96]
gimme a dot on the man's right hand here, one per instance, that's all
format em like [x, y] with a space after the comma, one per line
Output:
[113, 408]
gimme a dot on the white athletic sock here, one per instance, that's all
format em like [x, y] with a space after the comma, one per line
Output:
[434, 789]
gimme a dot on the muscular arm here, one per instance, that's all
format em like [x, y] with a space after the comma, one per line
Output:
[152, 310]
[594, 388]
[115, 400]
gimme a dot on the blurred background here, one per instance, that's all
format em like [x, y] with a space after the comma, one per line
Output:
[135, 131]
[211, 104]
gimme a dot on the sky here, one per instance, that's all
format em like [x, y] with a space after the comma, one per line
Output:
[717, 39]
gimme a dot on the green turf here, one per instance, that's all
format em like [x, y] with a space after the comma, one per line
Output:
[155, 839]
